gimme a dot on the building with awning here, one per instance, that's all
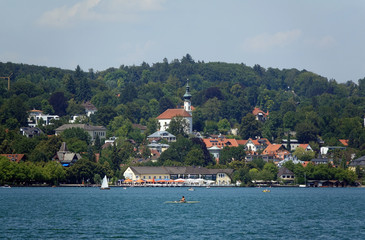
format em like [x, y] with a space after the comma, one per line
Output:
[188, 173]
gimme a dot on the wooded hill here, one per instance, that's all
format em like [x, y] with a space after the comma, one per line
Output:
[223, 95]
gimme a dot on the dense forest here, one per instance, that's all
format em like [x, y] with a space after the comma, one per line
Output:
[223, 95]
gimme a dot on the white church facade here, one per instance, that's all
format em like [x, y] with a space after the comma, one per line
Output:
[186, 113]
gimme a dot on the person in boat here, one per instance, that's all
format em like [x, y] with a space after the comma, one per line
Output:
[182, 200]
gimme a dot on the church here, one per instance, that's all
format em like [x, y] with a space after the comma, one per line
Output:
[186, 113]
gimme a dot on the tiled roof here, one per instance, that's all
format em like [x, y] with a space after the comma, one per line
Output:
[258, 110]
[210, 142]
[13, 157]
[86, 127]
[89, 106]
[171, 113]
[272, 148]
[304, 146]
[344, 142]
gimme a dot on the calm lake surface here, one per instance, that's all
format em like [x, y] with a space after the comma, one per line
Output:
[222, 213]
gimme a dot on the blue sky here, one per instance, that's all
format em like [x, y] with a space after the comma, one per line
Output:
[326, 37]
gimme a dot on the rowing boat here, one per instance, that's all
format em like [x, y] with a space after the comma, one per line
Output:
[182, 202]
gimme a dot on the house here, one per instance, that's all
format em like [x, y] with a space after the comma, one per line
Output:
[30, 131]
[215, 144]
[306, 147]
[220, 176]
[285, 174]
[65, 157]
[93, 131]
[254, 145]
[140, 127]
[359, 162]
[320, 160]
[159, 147]
[325, 150]
[36, 117]
[291, 158]
[260, 115]
[274, 152]
[89, 108]
[157, 136]
[292, 143]
[165, 118]
[13, 157]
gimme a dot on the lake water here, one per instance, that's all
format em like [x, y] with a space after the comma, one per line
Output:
[222, 213]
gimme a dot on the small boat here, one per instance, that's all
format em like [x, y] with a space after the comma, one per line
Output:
[104, 184]
[5, 186]
[208, 186]
[189, 202]
[302, 185]
[191, 189]
[266, 190]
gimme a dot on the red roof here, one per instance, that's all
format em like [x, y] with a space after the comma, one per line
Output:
[272, 149]
[344, 142]
[13, 157]
[171, 113]
[258, 110]
[220, 142]
[304, 146]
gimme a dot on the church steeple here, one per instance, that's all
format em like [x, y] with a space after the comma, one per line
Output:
[187, 98]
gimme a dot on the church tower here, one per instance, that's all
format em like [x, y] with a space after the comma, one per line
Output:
[187, 99]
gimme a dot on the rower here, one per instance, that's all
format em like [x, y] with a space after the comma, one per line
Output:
[182, 200]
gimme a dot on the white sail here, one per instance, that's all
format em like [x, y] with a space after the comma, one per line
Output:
[104, 184]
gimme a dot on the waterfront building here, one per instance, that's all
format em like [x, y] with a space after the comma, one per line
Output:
[219, 176]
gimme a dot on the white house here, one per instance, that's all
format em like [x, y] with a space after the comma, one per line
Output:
[35, 116]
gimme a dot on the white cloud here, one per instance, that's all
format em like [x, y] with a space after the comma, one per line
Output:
[264, 42]
[322, 42]
[99, 10]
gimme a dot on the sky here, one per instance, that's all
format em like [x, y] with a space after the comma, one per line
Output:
[326, 37]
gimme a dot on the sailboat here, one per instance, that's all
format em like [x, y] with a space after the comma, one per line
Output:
[104, 184]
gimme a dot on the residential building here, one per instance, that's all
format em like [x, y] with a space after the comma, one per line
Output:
[306, 147]
[159, 147]
[292, 143]
[260, 115]
[93, 131]
[89, 108]
[325, 150]
[159, 135]
[359, 162]
[30, 131]
[36, 117]
[65, 157]
[220, 176]
[274, 152]
[291, 158]
[285, 174]
[13, 157]
[320, 160]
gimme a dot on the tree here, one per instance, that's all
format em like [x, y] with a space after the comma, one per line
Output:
[250, 127]
[306, 132]
[76, 133]
[224, 126]
[304, 155]
[194, 157]
[179, 126]
[59, 103]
